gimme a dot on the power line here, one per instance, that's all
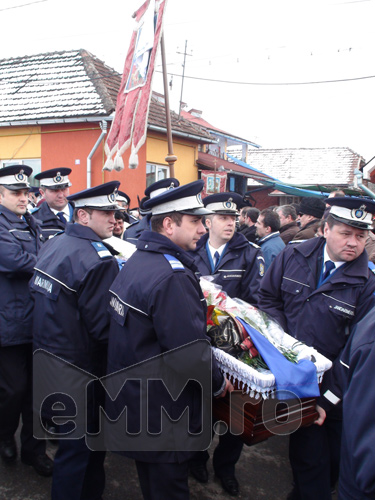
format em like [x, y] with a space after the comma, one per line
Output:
[23, 5]
[273, 83]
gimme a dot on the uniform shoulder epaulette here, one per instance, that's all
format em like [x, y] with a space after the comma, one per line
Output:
[253, 244]
[101, 249]
[175, 264]
[294, 242]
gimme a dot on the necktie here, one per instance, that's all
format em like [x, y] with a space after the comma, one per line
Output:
[61, 216]
[329, 267]
[216, 258]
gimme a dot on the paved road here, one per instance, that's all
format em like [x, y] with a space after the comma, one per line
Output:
[263, 472]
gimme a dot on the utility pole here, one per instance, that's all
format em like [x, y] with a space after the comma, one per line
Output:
[183, 76]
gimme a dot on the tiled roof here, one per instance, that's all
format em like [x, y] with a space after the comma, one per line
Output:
[308, 165]
[65, 85]
[50, 86]
[156, 117]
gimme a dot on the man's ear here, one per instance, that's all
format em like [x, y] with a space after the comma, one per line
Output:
[83, 217]
[208, 223]
[168, 225]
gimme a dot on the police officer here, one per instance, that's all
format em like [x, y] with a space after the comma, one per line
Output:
[157, 306]
[20, 242]
[351, 383]
[133, 232]
[55, 212]
[70, 289]
[317, 290]
[238, 266]
[123, 202]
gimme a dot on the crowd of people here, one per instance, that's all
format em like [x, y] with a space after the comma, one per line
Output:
[67, 292]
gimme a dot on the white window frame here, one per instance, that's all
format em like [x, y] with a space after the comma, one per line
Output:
[156, 172]
[31, 162]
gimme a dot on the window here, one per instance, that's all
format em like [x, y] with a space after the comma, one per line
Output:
[287, 200]
[35, 164]
[155, 173]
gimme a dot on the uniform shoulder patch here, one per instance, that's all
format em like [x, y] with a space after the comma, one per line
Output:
[102, 250]
[175, 264]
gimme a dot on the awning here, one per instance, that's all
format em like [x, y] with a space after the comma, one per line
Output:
[317, 191]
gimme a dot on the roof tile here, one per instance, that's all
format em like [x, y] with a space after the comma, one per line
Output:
[69, 84]
[307, 165]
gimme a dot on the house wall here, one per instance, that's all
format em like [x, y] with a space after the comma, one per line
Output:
[263, 200]
[68, 145]
[20, 142]
[185, 168]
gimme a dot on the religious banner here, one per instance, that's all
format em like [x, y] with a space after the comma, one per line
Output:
[214, 183]
[129, 127]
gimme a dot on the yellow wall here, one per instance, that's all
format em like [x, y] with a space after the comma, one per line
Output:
[185, 169]
[20, 142]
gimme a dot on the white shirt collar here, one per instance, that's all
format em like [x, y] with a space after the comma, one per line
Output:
[65, 211]
[327, 257]
[214, 250]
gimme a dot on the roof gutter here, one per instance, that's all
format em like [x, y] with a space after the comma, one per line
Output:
[358, 174]
[103, 126]
[205, 140]
[57, 121]
[106, 118]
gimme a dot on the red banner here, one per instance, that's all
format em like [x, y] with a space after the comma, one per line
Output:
[129, 127]
[214, 183]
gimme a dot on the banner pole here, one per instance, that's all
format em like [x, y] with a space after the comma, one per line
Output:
[170, 158]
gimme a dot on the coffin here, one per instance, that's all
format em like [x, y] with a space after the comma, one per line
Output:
[253, 411]
[257, 419]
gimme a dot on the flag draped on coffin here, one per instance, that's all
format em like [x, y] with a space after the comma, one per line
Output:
[129, 127]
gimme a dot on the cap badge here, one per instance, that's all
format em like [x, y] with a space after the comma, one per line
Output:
[228, 204]
[199, 198]
[21, 177]
[57, 178]
[112, 197]
[359, 213]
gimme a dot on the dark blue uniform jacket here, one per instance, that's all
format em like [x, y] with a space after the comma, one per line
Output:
[49, 222]
[70, 288]
[155, 308]
[20, 243]
[319, 316]
[353, 380]
[239, 270]
[134, 231]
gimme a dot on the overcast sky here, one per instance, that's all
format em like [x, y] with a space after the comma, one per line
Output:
[252, 44]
